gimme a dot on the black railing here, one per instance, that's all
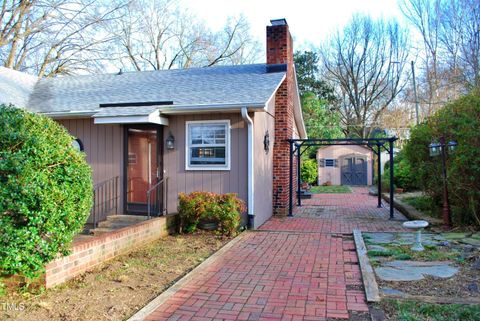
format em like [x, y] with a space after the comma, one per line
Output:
[105, 200]
[153, 194]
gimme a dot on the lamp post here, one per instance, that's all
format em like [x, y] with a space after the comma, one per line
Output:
[440, 149]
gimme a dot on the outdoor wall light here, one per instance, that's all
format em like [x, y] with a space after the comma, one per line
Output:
[266, 142]
[77, 144]
[170, 142]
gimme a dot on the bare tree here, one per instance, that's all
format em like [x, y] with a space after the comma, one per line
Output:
[448, 51]
[424, 15]
[460, 38]
[365, 64]
[396, 121]
[50, 37]
[161, 35]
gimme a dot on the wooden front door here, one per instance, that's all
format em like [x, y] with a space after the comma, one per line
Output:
[354, 171]
[143, 168]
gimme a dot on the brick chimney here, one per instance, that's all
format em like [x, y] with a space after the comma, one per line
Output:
[280, 51]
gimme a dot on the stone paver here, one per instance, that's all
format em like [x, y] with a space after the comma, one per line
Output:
[414, 270]
[301, 268]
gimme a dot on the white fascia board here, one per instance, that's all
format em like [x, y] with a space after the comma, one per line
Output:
[70, 114]
[188, 109]
[298, 114]
[272, 96]
[153, 118]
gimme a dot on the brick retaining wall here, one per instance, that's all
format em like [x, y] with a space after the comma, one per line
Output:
[86, 254]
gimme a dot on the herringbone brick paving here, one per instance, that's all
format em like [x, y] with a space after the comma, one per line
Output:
[301, 268]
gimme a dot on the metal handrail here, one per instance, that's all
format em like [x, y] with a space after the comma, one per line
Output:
[105, 199]
[163, 181]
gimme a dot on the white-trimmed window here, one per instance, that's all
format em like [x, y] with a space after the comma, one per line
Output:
[208, 145]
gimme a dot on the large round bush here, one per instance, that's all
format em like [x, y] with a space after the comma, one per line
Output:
[459, 121]
[45, 191]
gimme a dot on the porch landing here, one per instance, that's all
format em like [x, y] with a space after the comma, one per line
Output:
[111, 224]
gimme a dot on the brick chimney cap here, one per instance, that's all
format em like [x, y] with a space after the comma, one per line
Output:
[279, 22]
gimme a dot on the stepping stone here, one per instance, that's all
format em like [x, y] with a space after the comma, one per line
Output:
[454, 235]
[376, 248]
[390, 291]
[381, 238]
[414, 271]
[471, 241]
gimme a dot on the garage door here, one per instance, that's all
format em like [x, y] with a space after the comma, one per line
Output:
[354, 171]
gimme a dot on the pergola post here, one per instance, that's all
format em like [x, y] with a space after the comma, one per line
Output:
[379, 176]
[290, 194]
[298, 177]
[391, 177]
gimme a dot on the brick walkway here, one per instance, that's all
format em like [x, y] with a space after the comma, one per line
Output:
[299, 268]
[339, 213]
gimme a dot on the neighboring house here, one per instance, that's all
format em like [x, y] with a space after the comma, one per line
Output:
[345, 165]
[220, 129]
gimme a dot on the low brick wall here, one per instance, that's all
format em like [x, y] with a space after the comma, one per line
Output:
[88, 253]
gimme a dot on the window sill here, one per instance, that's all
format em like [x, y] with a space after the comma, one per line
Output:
[207, 168]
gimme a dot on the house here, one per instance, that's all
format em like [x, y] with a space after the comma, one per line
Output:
[345, 165]
[150, 135]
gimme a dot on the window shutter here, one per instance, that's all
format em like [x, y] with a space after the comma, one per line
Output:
[321, 162]
[335, 163]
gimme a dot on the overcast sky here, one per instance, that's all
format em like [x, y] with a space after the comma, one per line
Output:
[310, 21]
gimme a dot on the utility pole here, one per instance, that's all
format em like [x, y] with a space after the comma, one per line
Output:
[415, 93]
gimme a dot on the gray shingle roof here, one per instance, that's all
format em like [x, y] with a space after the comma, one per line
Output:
[15, 87]
[242, 84]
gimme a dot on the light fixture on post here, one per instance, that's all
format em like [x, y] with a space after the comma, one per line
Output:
[434, 148]
[441, 149]
[170, 142]
[452, 146]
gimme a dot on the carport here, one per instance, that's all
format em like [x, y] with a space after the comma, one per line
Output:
[300, 146]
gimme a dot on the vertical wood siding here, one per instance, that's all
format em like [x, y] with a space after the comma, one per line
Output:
[263, 167]
[103, 148]
[181, 180]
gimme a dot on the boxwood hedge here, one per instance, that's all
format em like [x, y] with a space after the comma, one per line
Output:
[45, 191]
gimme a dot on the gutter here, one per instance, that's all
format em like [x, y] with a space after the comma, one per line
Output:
[182, 109]
[250, 178]
[166, 110]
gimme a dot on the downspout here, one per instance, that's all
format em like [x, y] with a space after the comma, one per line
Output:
[250, 181]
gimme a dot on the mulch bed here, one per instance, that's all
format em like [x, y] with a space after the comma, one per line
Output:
[120, 287]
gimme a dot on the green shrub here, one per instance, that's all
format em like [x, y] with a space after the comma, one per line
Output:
[459, 121]
[205, 206]
[403, 174]
[309, 171]
[45, 191]
[425, 204]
